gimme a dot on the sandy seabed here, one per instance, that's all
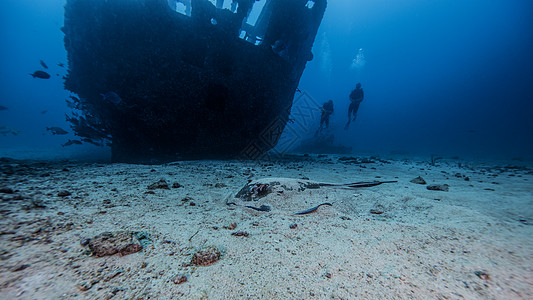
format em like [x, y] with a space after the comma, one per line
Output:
[392, 241]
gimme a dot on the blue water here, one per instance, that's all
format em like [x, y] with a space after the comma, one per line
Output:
[442, 76]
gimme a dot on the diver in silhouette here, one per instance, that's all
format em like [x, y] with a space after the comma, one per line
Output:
[326, 111]
[356, 97]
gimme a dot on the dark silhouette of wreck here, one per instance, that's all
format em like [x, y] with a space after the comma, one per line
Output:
[198, 86]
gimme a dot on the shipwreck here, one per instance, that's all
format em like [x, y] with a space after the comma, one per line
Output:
[157, 83]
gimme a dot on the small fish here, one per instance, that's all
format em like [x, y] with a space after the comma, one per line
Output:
[44, 111]
[88, 140]
[43, 64]
[60, 64]
[4, 131]
[74, 98]
[56, 130]
[40, 74]
[111, 97]
[75, 104]
[3, 107]
[71, 142]
[71, 104]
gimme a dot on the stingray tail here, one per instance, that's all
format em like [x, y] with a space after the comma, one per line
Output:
[364, 184]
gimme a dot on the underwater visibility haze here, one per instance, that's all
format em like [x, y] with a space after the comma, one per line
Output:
[266, 149]
[448, 77]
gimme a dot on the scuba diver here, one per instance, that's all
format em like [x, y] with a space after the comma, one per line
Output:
[356, 97]
[326, 111]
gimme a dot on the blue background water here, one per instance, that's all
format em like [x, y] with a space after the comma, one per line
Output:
[441, 76]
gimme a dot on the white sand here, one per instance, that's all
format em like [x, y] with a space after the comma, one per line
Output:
[425, 245]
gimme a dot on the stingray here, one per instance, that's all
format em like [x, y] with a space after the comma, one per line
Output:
[281, 192]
